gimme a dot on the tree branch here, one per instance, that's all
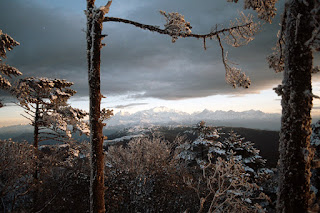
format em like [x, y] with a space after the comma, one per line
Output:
[166, 32]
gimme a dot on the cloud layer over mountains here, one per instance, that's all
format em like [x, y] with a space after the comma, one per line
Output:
[164, 116]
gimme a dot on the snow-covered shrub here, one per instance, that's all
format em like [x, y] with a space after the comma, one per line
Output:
[64, 178]
[144, 177]
[17, 165]
[224, 186]
[150, 175]
[142, 155]
[228, 147]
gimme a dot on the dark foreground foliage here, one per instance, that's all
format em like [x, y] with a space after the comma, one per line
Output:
[147, 175]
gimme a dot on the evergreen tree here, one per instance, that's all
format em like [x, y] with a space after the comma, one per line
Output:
[45, 103]
[213, 151]
[211, 142]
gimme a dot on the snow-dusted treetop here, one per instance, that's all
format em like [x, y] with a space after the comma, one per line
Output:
[43, 91]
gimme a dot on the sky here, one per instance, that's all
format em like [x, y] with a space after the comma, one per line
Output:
[141, 69]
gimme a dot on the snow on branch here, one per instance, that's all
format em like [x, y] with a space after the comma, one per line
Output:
[157, 29]
[225, 187]
[240, 32]
[265, 8]
[39, 90]
[61, 118]
[240, 36]
[6, 44]
[4, 83]
[234, 76]
[45, 103]
[9, 70]
[105, 114]
[276, 59]
[176, 24]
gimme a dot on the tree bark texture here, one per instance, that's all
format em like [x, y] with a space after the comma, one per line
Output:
[94, 24]
[295, 153]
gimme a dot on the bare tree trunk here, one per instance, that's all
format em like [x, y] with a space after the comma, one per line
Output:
[295, 153]
[36, 140]
[36, 144]
[95, 20]
[36, 128]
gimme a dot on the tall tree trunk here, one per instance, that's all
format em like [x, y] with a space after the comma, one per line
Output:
[36, 139]
[295, 153]
[95, 20]
[36, 144]
[36, 127]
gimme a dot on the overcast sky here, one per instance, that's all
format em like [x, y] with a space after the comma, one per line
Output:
[141, 69]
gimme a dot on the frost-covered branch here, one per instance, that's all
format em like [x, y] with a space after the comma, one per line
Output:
[63, 117]
[240, 32]
[177, 33]
[6, 44]
[276, 59]
[105, 114]
[234, 76]
[265, 8]
[43, 91]
[225, 187]
[9, 70]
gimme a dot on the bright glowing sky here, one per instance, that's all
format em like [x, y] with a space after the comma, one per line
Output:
[141, 70]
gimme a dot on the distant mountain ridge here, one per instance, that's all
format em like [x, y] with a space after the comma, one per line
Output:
[166, 116]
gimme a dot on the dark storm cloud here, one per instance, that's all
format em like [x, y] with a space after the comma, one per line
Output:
[52, 43]
[135, 61]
